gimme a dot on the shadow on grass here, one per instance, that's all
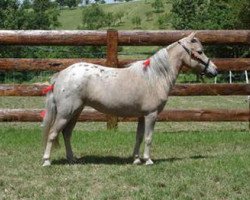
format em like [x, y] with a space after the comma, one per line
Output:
[115, 160]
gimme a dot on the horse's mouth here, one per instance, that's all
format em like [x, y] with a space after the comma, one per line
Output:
[212, 74]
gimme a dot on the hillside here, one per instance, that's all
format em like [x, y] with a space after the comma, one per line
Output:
[71, 18]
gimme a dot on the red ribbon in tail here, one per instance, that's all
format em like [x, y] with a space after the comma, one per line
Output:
[43, 113]
[47, 89]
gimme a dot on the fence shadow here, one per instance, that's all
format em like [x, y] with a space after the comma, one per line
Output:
[115, 160]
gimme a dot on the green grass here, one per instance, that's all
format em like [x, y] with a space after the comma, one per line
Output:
[72, 18]
[192, 160]
[188, 165]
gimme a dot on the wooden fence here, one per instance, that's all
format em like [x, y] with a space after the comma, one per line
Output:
[112, 39]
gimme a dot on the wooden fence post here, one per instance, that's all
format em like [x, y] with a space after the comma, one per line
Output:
[112, 61]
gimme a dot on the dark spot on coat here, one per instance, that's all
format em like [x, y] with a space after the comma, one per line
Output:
[101, 70]
[194, 40]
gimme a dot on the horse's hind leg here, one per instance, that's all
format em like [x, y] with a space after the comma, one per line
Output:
[139, 138]
[58, 126]
[67, 132]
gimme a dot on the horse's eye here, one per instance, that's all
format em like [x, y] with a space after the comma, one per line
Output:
[199, 52]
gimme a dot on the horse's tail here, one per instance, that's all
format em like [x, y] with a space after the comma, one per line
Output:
[50, 114]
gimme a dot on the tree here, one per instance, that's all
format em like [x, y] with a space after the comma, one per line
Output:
[44, 15]
[93, 17]
[157, 5]
[212, 14]
[61, 2]
[72, 3]
[13, 15]
[26, 4]
[244, 15]
[163, 21]
[203, 14]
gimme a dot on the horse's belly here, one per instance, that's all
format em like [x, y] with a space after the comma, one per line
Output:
[118, 110]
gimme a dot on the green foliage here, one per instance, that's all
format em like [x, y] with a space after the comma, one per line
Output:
[93, 17]
[44, 15]
[11, 15]
[244, 15]
[26, 4]
[72, 3]
[157, 5]
[213, 15]
[40, 15]
[163, 21]
[202, 14]
[69, 3]
[118, 16]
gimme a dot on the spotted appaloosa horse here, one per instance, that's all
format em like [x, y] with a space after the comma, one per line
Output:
[140, 90]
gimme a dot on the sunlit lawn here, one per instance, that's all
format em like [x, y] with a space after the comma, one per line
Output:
[198, 164]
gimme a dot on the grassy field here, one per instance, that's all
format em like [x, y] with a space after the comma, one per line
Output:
[188, 165]
[192, 160]
[72, 18]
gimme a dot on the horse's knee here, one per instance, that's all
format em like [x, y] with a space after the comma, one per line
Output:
[52, 136]
[148, 140]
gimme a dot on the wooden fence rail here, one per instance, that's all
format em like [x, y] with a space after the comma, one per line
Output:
[78, 38]
[178, 90]
[25, 64]
[198, 115]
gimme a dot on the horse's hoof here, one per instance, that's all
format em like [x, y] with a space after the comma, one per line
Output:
[149, 162]
[46, 163]
[137, 161]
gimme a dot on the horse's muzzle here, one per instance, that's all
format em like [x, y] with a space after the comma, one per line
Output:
[212, 74]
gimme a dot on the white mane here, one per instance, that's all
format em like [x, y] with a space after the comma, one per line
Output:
[159, 71]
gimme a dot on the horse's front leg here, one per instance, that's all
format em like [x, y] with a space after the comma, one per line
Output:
[139, 138]
[149, 128]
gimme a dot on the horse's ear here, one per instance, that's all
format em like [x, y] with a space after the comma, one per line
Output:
[192, 35]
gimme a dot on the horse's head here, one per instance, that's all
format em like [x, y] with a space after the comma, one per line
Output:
[194, 56]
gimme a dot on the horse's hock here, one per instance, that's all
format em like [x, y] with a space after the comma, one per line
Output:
[112, 39]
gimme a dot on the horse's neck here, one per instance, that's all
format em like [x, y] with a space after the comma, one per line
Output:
[166, 66]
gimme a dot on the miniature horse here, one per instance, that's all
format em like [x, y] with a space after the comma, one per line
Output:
[140, 90]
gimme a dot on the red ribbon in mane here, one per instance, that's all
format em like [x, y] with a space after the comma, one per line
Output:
[146, 63]
[47, 89]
